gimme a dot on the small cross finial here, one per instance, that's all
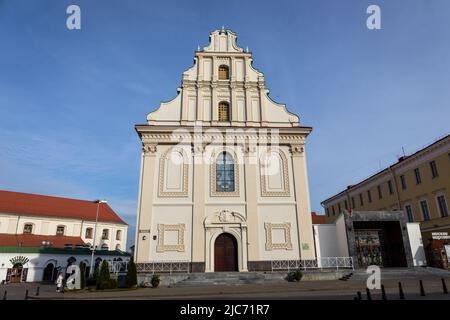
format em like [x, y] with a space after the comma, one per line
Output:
[223, 28]
[246, 49]
[198, 47]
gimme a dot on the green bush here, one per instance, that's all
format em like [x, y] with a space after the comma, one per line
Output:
[155, 280]
[82, 275]
[131, 278]
[298, 275]
[104, 280]
[290, 277]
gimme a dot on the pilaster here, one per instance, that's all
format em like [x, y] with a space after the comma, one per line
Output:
[149, 171]
[304, 220]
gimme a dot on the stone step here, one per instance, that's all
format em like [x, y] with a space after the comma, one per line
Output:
[229, 278]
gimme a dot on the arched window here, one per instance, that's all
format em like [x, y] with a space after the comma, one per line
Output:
[88, 233]
[105, 234]
[98, 261]
[118, 247]
[60, 230]
[28, 228]
[105, 246]
[224, 73]
[225, 173]
[118, 234]
[224, 111]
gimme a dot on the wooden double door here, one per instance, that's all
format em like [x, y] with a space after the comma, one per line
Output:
[225, 253]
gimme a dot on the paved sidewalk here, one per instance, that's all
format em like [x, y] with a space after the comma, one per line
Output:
[335, 289]
[327, 289]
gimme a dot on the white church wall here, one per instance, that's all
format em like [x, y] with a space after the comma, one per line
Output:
[282, 171]
[169, 112]
[268, 199]
[281, 219]
[168, 223]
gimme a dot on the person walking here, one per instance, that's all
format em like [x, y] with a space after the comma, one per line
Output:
[60, 282]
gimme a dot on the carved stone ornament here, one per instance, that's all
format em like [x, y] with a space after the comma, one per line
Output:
[296, 149]
[149, 148]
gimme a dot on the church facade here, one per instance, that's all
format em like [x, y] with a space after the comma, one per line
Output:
[223, 179]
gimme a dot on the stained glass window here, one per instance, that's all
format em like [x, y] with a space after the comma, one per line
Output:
[225, 173]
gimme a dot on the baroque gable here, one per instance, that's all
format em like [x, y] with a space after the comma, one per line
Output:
[223, 72]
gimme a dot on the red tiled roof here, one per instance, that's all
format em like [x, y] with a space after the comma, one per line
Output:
[33, 240]
[318, 218]
[27, 204]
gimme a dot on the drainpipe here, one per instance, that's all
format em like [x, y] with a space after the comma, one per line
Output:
[17, 225]
[81, 230]
[396, 188]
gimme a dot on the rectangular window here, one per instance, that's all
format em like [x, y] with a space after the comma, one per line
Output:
[361, 201]
[105, 234]
[369, 196]
[224, 111]
[425, 212]
[403, 181]
[417, 175]
[334, 212]
[391, 190]
[353, 202]
[346, 205]
[443, 209]
[339, 208]
[409, 213]
[380, 194]
[328, 212]
[28, 228]
[88, 234]
[434, 170]
[60, 230]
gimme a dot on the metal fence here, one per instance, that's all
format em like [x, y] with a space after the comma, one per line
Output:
[320, 263]
[164, 267]
[118, 267]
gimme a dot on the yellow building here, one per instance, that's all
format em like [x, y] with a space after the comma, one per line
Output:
[418, 184]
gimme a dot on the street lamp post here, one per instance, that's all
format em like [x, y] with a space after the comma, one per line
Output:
[98, 202]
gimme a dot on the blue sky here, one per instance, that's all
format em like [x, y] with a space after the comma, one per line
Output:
[69, 99]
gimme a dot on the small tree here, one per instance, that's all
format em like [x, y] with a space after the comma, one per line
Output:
[131, 278]
[155, 280]
[82, 275]
[104, 280]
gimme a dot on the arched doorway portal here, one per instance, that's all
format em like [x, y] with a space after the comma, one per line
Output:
[49, 272]
[225, 253]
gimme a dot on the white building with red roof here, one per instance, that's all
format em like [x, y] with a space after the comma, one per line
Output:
[24, 213]
[41, 234]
